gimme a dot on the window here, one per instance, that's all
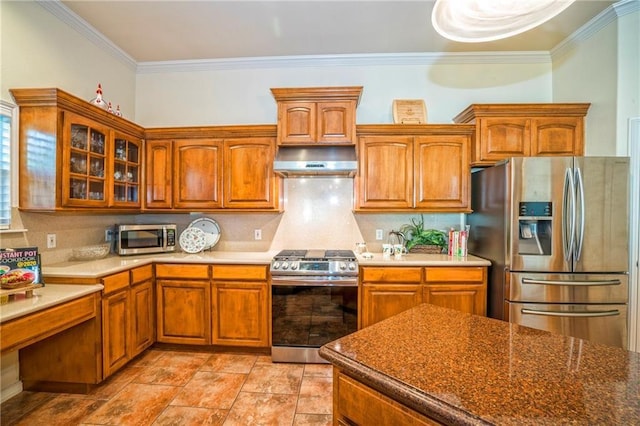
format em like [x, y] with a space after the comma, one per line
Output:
[6, 116]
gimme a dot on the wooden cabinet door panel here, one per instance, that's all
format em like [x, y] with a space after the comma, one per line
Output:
[443, 173]
[335, 122]
[159, 164]
[142, 317]
[197, 174]
[467, 298]
[240, 314]
[382, 301]
[183, 311]
[115, 332]
[249, 181]
[504, 137]
[297, 122]
[557, 136]
[386, 172]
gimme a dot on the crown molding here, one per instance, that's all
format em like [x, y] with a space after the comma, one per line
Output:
[597, 23]
[66, 15]
[344, 61]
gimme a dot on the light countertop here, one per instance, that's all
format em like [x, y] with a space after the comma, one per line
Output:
[467, 369]
[43, 298]
[114, 264]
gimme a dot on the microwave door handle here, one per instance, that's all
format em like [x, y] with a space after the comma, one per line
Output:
[568, 215]
[164, 237]
[578, 314]
[580, 215]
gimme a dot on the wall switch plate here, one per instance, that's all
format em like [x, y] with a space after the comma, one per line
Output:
[257, 234]
[51, 240]
[379, 234]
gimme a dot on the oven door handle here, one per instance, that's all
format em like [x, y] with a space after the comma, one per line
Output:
[583, 314]
[306, 282]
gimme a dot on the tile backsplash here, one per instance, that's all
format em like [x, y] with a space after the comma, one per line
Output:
[317, 214]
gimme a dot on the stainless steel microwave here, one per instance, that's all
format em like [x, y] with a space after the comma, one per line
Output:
[143, 239]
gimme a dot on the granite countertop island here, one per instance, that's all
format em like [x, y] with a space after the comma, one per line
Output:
[462, 369]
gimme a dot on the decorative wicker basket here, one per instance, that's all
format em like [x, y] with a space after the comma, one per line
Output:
[426, 249]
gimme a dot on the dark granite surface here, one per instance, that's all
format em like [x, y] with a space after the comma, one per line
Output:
[467, 369]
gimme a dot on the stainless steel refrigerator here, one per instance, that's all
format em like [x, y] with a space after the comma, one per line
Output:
[556, 230]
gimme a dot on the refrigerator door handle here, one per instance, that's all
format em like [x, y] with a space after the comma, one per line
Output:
[580, 213]
[560, 282]
[580, 314]
[568, 215]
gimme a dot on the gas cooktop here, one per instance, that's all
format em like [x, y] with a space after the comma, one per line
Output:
[340, 255]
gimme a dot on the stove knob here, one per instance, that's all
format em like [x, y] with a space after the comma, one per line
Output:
[285, 265]
[343, 266]
[294, 266]
[352, 266]
[276, 265]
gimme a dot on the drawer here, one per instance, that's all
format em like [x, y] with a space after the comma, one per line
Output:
[452, 275]
[115, 282]
[142, 273]
[182, 271]
[391, 275]
[240, 272]
[23, 331]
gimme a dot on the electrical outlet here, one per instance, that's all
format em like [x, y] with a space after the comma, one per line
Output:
[379, 235]
[108, 235]
[257, 234]
[51, 240]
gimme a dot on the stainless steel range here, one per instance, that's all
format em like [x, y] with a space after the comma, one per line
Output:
[314, 296]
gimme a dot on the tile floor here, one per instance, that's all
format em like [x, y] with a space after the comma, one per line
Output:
[188, 388]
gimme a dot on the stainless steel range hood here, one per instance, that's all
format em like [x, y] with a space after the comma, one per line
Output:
[316, 161]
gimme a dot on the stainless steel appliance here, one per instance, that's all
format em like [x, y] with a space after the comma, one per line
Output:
[143, 239]
[320, 161]
[314, 296]
[556, 232]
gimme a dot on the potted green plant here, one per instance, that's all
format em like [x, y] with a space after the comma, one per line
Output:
[420, 240]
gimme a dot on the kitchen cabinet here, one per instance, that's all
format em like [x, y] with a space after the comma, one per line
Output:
[212, 168]
[240, 305]
[248, 178]
[414, 168]
[74, 155]
[197, 174]
[389, 290]
[515, 130]
[357, 404]
[142, 310]
[183, 304]
[462, 288]
[317, 115]
[116, 326]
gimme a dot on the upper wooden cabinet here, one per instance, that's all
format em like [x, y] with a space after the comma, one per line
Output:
[317, 115]
[74, 155]
[212, 168]
[516, 130]
[413, 168]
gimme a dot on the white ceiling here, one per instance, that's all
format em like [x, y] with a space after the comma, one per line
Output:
[182, 30]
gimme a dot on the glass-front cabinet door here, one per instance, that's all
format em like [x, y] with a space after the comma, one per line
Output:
[127, 153]
[85, 162]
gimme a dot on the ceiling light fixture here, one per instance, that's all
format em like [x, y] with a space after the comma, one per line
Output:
[475, 21]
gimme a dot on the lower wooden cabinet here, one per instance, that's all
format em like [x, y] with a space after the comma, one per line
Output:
[387, 291]
[240, 305]
[183, 304]
[142, 309]
[357, 404]
[116, 350]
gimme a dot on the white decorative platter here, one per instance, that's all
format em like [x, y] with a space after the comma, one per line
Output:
[193, 240]
[210, 228]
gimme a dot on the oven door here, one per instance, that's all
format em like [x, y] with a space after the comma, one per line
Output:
[307, 313]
